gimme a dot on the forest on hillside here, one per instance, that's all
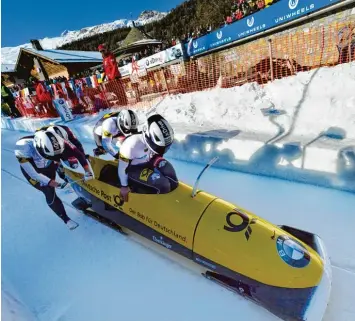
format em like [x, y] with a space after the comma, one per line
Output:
[110, 38]
[187, 18]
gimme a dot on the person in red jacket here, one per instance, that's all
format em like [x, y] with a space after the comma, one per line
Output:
[109, 62]
[45, 98]
[112, 72]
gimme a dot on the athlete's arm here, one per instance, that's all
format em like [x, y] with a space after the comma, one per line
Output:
[107, 138]
[126, 156]
[24, 156]
[72, 151]
[73, 139]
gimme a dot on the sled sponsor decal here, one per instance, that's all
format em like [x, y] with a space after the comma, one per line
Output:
[156, 225]
[114, 200]
[204, 262]
[244, 225]
[145, 173]
[161, 241]
[292, 252]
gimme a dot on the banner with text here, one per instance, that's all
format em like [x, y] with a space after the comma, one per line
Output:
[63, 109]
[273, 16]
[157, 59]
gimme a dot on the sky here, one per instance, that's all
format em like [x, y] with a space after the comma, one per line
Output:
[23, 20]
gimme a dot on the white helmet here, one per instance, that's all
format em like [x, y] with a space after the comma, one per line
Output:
[127, 122]
[48, 143]
[58, 130]
[158, 134]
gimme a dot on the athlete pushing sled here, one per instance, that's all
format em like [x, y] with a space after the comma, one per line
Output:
[66, 133]
[114, 128]
[39, 156]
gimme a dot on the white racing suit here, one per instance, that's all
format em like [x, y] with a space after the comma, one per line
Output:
[106, 133]
[142, 170]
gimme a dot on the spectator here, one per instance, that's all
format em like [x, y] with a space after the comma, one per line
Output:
[239, 14]
[253, 6]
[112, 73]
[109, 63]
[44, 97]
[8, 98]
[260, 4]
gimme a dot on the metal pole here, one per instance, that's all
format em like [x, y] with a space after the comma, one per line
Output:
[166, 84]
[271, 61]
[210, 163]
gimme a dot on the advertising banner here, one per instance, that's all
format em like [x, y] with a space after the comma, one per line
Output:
[157, 59]
[63, 109]
[154, 60]
[173, 53]
[125, 70]
[273, 16]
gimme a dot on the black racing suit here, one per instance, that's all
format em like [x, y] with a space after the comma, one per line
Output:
[39, 171]
[157, 176]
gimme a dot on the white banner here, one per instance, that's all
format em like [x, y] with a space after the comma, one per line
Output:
[173, 53]
[63, 109]
[125, 70]
[152, 61]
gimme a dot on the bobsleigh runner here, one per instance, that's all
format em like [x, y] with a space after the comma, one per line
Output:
[285, 270]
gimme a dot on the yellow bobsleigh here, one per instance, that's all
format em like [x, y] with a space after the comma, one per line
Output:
[283, 269]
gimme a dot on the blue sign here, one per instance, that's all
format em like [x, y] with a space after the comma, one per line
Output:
[292, 252]
[63, 109]
[265, 19]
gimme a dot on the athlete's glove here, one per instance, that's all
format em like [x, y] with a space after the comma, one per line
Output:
[88, 176]
[99, 151]
[62, 185]
[73, 162]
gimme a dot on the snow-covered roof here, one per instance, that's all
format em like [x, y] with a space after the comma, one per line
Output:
[146, 41]
[66, 56]
[8, 67]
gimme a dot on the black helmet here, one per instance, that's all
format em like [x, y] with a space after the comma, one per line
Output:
[127, 122]
[158, 134]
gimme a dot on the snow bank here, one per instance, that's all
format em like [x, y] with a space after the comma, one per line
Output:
[311, 102]
[275, 130]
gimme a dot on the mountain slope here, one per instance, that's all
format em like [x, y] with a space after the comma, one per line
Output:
[9, 54]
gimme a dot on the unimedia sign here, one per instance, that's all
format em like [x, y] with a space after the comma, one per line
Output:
[277, 14]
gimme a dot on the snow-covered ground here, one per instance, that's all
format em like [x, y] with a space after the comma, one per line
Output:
[12, 308]
[236, 125]
[94, 273]
[311, 101]
[9, 54]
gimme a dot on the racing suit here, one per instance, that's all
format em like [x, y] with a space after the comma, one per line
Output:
[144, 171]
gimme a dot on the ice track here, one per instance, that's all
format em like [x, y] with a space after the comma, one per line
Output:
[95, 274]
